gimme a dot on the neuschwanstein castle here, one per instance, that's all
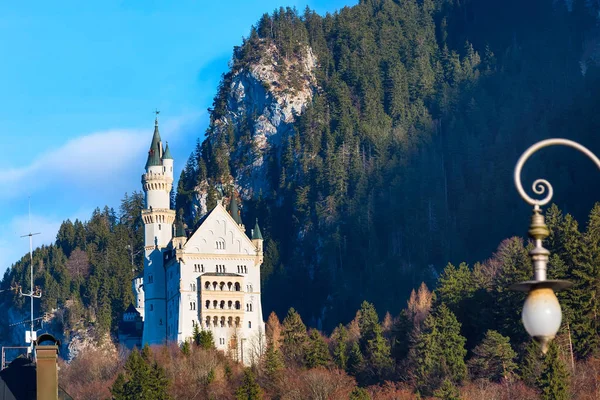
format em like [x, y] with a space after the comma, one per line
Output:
[209, 277]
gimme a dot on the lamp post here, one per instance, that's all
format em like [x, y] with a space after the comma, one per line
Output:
[541, 312]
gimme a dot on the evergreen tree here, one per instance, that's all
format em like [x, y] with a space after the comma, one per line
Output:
[374, 347]
[143, 379]
[293, 338]
[203, 338]
[554, 379]
[359, 394]
[447, 391]
[493, 358]
[317, 353]
[340, 347]
[273, 362]
[249, 390]
[439, 351]
[355, 360]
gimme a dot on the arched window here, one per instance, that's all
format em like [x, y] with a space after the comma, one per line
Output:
[214, 285]
[249, 324]
[222, 322]
[237, 305]
[221, 285]
[215, 321]
[215, 303]
[207, 321]
[229, 285]
[250, 305]
[250, 287]
[220, 244]
[201, 267]
[237, 287]
[151, 307]
[230, 322]
[207, 285]
[237, 322]
[229, 304]
[207, 304]
[222, 304]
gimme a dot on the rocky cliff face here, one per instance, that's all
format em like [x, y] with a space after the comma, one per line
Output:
[266, 97]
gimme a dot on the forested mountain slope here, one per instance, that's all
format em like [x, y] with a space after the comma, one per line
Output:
[377, 144]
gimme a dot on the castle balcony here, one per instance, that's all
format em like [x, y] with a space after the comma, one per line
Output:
[158, 215]
[221, 320]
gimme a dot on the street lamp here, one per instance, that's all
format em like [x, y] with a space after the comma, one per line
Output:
[541, 312]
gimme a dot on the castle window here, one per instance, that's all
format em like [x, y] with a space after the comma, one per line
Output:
[229, 304]
[237, 322]
[223, 326]
[207, 303]
[229, 285]
[249, 324]
[160, 322]
[207, 285]
[150, 279]
[215, 304]
[221, 285]
[222, 304]
[237, 287]
[151, 307]
[159, 227]
[207, 321]
[220, 244]
[237, 305]
[230, 322]
[201, 267]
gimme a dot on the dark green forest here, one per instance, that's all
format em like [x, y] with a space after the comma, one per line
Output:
[401, 165]
[403, 161]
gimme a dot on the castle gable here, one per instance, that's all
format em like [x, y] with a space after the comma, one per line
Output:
[219, 234]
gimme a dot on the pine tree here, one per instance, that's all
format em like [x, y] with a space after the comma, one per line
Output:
[340, 347]
[374, 347]
[493, 358]
[531, 364]
[554, 379]
[143, 379]
[439, 351]
[273, 362]
[359, 394]
[250, 390]
[203, 338]
[355, 360]
[447, 391]
[293, 338]
[317, 353]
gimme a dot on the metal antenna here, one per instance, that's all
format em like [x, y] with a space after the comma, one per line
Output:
[32, 294]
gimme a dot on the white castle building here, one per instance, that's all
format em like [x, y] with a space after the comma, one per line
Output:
[209, 278]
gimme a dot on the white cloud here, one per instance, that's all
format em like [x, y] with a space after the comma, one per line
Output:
[69, 181]
[90, 160]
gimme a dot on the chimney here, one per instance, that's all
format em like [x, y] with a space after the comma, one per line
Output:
[46, 368]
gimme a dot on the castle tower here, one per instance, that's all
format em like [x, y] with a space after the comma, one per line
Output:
[158, 231]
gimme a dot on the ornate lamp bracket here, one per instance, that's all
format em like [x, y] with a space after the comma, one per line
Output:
[538, 230]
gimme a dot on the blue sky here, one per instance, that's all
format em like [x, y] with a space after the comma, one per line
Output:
[79, 83]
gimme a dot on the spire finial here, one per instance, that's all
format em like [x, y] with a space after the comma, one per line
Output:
[156, 119]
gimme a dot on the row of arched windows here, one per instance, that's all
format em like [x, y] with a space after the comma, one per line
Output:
[222, 322]
[249, 307]
[221, 269]
[242, 269]
[223, 286]
[230, 305]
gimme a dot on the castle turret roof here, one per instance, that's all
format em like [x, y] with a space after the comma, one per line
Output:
[154, 152]
[256, 234]
[167, 154]
[234, 210]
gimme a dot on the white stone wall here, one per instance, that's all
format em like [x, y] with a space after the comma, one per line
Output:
[138, 293]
